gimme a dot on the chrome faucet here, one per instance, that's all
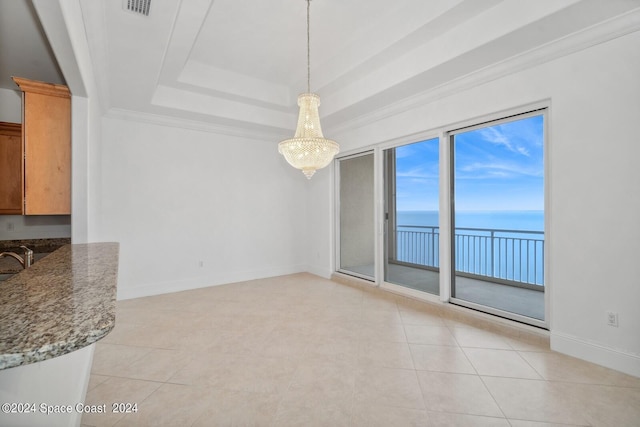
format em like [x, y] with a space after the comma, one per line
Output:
[26, 261]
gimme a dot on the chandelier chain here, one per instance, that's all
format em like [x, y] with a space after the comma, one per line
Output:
[308, 50]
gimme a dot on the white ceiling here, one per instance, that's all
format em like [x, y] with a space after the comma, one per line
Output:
[240, 64]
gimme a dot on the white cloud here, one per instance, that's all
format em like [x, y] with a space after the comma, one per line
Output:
[479, 170]
[417, 173]
[498, 136]
[405, 151]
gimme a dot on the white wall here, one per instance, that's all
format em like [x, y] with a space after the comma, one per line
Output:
[320, 218]
[18, 227]
[592, 183]
[10, 106]
[176, 197]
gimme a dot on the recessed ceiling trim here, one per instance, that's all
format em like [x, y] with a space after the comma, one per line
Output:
[619, 26]
[333, 76]
[389, 72]
[178, 99]
[186, 27]
[446, 47]
[237, 85]
[169, 119]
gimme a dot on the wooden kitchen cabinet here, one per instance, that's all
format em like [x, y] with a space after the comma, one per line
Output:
[46, 148]
[11, 174]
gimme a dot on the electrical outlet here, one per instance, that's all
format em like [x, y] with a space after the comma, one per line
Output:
[612, 318]
[200, 264]
[10, 226]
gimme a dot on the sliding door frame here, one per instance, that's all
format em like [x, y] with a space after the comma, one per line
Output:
[540, 109]
[381, 197]
[446, 207]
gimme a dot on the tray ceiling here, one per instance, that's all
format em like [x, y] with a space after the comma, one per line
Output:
[241, 64]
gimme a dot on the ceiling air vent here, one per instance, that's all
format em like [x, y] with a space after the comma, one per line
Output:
[137, 6]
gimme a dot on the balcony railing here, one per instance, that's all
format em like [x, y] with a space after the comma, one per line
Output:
[510, 256]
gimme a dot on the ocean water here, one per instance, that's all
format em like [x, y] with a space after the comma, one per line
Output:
[504, 244]
[502, 220]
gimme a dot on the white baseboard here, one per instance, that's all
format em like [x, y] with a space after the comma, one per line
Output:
[319, 271]
[595, 353]
[129, 292]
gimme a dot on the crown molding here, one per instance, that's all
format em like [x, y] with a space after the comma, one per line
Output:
[42, 88]
[611, 29]
[258, 133]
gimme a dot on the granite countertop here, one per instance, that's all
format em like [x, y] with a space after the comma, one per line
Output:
[64, 302]
[40, 247]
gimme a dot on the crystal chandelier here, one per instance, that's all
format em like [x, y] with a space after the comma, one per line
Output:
[308, 150]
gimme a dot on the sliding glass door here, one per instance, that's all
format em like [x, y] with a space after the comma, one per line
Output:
[488, 195]
[498, 217]
[356, 216]
[412, 232]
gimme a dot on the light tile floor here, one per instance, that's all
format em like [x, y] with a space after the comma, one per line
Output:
[300, 350]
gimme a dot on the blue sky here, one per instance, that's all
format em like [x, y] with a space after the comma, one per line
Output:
[417, 176]
[498, 167]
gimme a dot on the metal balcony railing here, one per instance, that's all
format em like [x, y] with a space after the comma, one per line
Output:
[510, 256]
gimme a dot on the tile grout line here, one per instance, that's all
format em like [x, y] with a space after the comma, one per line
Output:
[494, 398]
